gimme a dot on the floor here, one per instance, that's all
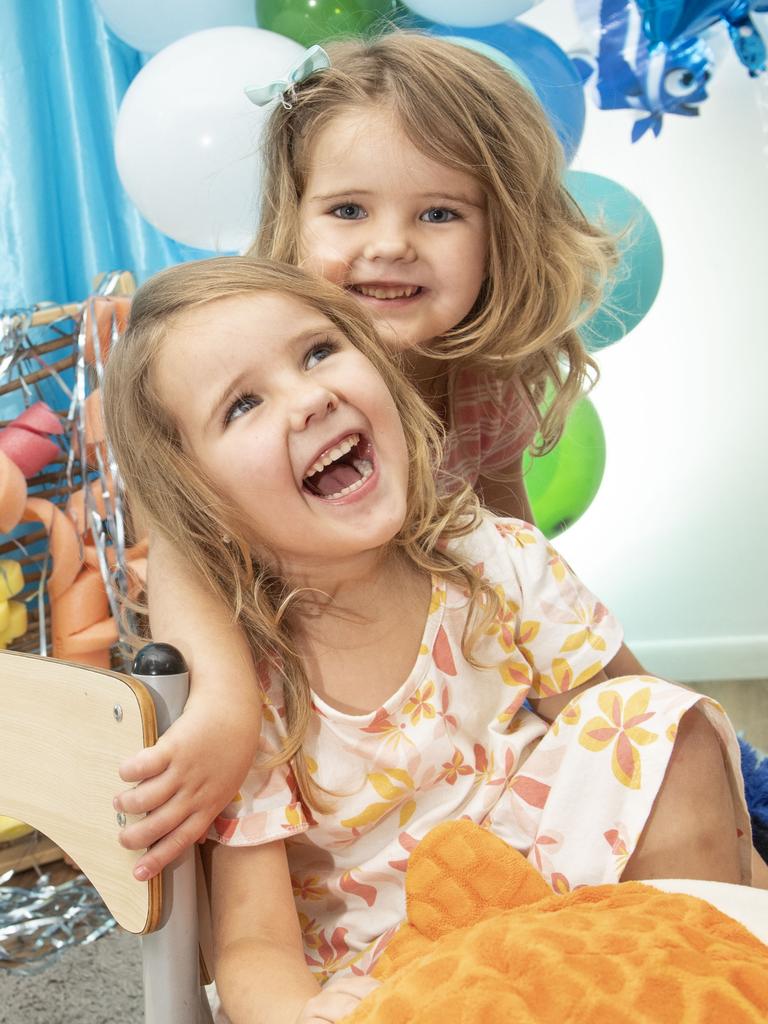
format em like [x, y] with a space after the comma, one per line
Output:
[96, 984]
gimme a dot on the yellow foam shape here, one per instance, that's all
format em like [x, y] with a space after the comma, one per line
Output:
[11, 829]
[17, 622]
[11, 578]
[5, 616]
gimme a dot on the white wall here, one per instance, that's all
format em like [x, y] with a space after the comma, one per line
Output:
[676, 542]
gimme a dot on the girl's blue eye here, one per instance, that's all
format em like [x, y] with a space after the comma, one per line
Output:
[241, 405]
[318, 353]
[348, 211]
[439, 215]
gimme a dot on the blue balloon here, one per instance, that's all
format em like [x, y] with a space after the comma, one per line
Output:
[552, 73]
[638, 276]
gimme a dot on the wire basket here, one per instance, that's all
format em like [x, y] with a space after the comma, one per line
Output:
[73, 541]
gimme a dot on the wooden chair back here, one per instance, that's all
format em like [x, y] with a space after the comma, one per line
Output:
[65, 731]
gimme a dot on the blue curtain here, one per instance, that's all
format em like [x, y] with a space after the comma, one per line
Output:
[64, 216]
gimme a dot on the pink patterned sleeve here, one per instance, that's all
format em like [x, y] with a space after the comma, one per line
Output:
[508, 423]
[564, 632]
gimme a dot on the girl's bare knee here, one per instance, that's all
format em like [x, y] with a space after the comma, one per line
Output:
[697, 760]
[691, 830]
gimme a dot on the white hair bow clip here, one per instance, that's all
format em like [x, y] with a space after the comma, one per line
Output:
[314, 59]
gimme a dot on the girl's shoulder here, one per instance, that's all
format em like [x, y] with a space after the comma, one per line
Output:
[497, 545]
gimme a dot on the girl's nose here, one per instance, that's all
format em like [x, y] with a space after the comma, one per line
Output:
[389, 244]
[311, 402]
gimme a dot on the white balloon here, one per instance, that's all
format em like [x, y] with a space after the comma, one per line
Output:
[187, 136]
[149, 25]
[470, 15]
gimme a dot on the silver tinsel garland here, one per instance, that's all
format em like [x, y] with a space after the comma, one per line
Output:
[38, 923]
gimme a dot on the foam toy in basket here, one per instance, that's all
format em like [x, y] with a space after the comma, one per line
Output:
[66, 511]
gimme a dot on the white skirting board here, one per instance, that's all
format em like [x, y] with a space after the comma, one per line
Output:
[703, 659]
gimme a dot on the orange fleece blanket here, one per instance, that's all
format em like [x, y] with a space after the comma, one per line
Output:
[487, 942]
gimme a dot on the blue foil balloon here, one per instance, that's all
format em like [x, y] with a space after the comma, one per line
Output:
[652, 55]
[553, 75]
[625, 72]
[637, 278]
[668, 21]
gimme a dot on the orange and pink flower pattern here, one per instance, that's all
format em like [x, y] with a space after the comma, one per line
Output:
[458, 741]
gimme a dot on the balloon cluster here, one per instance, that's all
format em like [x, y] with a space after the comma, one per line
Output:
[187, 147]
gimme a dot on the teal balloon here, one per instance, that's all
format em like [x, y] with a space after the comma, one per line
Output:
[638, 276]
[316, 21]
[562, 484]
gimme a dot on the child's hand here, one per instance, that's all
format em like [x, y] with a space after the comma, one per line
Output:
[338, 998]
[186, 779]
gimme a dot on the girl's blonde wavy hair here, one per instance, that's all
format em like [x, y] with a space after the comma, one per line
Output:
[174, 498]
[547, 266]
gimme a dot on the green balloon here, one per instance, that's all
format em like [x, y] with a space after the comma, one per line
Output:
[316, 21]
[562, 483]
[638, 277]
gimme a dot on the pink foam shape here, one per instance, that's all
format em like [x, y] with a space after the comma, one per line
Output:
[40, 419]
[30, 451]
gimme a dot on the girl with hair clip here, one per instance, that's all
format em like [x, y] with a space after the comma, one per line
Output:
[397, 632]
[426, 182]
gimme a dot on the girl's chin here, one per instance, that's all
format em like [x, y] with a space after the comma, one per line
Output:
[372, 532]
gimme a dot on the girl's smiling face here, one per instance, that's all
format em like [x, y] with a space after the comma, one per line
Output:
[291, 423]
[407, 236]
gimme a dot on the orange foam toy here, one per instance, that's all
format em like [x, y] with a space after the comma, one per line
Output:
[94, 420]
[82, 627]
[76, 504]
[487, 942]
[84, 630]
[63, 543]
[102, 309]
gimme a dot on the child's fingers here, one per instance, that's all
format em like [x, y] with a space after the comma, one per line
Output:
[145, 764]
[166, 850]
[357, 985]
[147, 796]
[165, 834]
[161, 822]
[336, 1001]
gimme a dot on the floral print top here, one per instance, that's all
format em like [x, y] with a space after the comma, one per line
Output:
[445, 745]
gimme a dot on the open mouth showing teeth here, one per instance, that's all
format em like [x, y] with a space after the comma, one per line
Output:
[342, 469]
[377, 292]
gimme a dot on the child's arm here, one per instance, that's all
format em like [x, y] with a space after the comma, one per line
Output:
[261, 974]
[197, 767]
